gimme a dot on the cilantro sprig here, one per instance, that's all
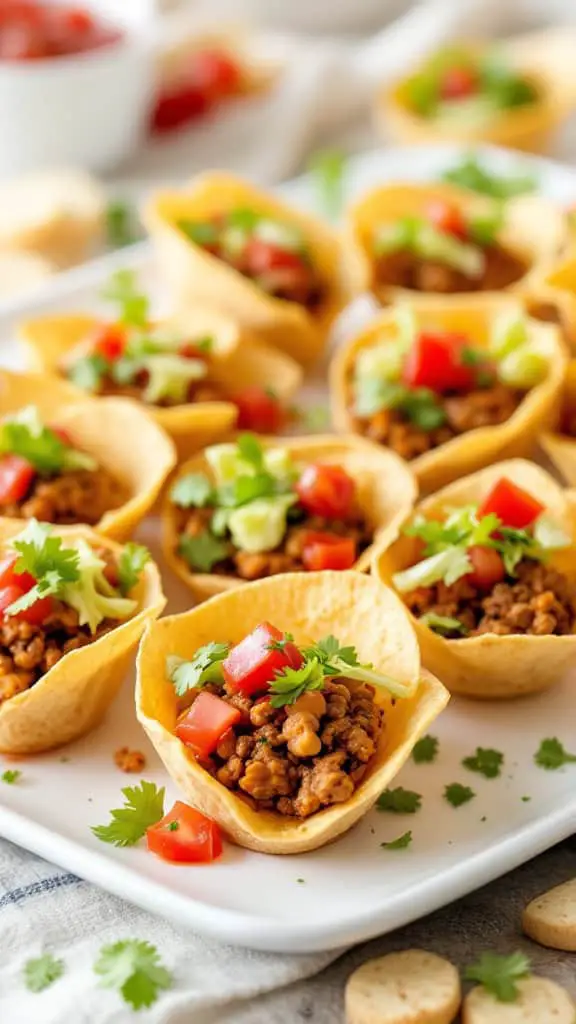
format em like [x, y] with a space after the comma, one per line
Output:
[401, 843]
[47, 560]
[10, 776]
[203, 551]
[131, 565]
[143, 807]
[419, 406]
[425, 750]
[485, 761]
[499, 974]
[290, 684]
[25, 434]
[204, 667]
[457, 794]
[552, 755]
[133, 967]
[42, 971]
[399, 801]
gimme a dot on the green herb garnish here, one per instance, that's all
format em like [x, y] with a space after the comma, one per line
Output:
[133, 968]
[10, 776]
[499, 974]
[144, 807]
[456, 794]
[203, 551]
[552, 755]
[131, 564]
[401, 843]
[42, 971]
[486, 762]
[204, 667]
[425, 750]
[399, 801]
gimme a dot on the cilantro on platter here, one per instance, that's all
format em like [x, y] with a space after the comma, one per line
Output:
[499, 974]
[204, 667]
[456, 794]
[401, 843]
[552, 755]
[470, 174]
[133, 967]
[425, 750]
[131, 565]
[144, 806]
[399, 801]
[10, 776]
[203, 552]
[486, 762]
[42, 971]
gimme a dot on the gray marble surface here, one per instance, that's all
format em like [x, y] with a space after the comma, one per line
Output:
[487, 919]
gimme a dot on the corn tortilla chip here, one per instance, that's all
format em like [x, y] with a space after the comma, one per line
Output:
[351, 606]
[560, 448]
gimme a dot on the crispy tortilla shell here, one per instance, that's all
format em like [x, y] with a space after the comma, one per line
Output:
[48, 341]
[71, 698]
[473, 317]
[560, 448]
[116, 431]
[386, 494]
[490, 666]
[353, 607]
[194, 275]
[533, 229]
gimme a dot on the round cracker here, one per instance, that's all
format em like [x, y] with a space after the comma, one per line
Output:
[550, 919]
[410, 987]
[539, 1001]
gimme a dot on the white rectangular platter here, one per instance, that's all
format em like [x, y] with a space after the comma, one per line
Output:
[353, 889]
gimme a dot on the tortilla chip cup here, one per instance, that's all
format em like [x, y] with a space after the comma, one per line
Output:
[194, 275]
[48, 342]
[116, 431]
[528, 128]
[353, 607]
[472, 316]
[73, 696]
[491, 666]
[533, 229]
[386, 492]
[560, 448]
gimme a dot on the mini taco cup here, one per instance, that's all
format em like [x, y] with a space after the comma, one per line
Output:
[194, 275]
[116, 431]
[473, 317]
[489, 666]
[533, 230]
[72, 697]
[528, 127]
[561, 448]
[49, 342]
[349, 605]
[385, 486]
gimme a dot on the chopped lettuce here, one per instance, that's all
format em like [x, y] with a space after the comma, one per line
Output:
[26, 435]
[261, 524]
[448, 566]
[93, 597]
[170, 377]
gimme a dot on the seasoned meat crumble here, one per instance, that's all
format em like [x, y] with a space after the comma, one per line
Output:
[405, 270]
[73, 496]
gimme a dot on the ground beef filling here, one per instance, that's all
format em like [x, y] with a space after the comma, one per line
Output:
[198, 391]
[298, 284]
[300, 758]
[405, 270]
[77, 496]
[540, 601]
[485, 407]
[287, 557]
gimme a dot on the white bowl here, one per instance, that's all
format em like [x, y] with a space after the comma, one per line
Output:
[88, 110]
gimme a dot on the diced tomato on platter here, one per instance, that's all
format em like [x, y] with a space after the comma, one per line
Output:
[185, 836]
[254, 662]
[513, 505]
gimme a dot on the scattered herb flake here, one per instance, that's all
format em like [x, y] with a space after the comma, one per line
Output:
[173, 826]
[485, 761]
[133, 967]
[144, 807]
[11, 775]
[499, 974]
[425, 750]
[42, 972]
[526, 799]
[203, 552]
[399, 801]
[398, 844]
[552, 755]
[456, 794]
[301, 881]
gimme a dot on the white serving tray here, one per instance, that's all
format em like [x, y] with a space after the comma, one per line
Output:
[353, 889]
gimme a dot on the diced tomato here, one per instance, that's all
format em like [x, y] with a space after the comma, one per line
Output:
[260, 410]
[177, 106]
[326, 490]
[488, 567]
[261, 257]
[110, 341]
[24, 580]
[328, 551]
[436, 361]
[205, 723]
[458, 82]
[447, 217]
[512, 504]
[186, 836]
[35, 614]
[216, 74]
[253, 663]
[77, 20]
[16, 476]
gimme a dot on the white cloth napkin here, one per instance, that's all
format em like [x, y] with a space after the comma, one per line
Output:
[324, 96]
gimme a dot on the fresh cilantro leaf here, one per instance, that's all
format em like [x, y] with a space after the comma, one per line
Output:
[552, 755]
[399, 801]
[471, 356]
[279, 645]
[499, 974]
[290, 684]
[87, 372]
[203, 552]
[328, 168]
[399, 844]
[200, 232]
[144, 806]
[486, 762]
[131, 565]
[26, 435]
[133, 305]
[42, 971]
[456, 794]
[419, 405]
[250, 449]
[328, 650]
[11, 775]
[194, 490]
[472, 175]
[45, 558]
[245, 489]
[443, 624]
[121, 229]
[425, 750]
[204, 667]
[133, 967]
